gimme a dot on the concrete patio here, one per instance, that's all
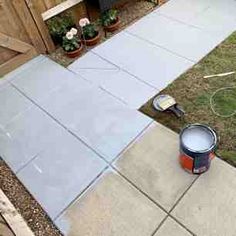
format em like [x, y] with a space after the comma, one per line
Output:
[99, 167]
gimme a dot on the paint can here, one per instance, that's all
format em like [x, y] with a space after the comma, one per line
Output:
[198, 144]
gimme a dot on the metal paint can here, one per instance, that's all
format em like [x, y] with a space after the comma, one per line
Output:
[198, 144]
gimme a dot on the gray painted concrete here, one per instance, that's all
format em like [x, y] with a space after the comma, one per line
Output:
[184, 40]
[12, 104]
[151, 64]
[61, 172]
[99, 119]
[60, 128]
[27, 135]
[42, 78]
[131, 91]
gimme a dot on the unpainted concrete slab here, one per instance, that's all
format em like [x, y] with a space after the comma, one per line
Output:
[151, 163]
[209, 207]
[112, 206]
[172, 228]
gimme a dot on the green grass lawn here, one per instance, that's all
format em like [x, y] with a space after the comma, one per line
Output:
[193, 93]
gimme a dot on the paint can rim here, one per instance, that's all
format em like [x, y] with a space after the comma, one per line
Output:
[213, 132]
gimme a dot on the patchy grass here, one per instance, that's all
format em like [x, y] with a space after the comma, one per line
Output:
[193, 93]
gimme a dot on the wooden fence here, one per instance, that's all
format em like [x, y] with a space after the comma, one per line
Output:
[20, 39]
[23, 32]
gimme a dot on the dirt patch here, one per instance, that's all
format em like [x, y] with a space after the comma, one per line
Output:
[193, 92]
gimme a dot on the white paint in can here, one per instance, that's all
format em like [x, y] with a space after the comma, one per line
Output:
[198, 139]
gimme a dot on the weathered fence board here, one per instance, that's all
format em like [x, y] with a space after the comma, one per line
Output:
[22, 25]
[29, 25]
[4, 228]
[20, 39]
[34, 7]
[13, 218]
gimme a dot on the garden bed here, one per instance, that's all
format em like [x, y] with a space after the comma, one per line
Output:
[193, 93]
[128, 13]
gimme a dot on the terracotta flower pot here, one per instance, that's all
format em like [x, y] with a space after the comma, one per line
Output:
[93, 41]
[75, 53]
[113, 27]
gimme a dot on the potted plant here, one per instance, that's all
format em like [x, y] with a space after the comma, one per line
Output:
[71, 44]
[110, 20]
[58, 27]
[90, 35]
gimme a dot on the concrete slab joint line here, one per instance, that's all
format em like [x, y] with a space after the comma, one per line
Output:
[169, 227]
[124, 210]
[126, 181]
[211, 197]
[150, 173]
[125, 87]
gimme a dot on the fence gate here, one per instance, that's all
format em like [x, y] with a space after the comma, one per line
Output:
[20, 39]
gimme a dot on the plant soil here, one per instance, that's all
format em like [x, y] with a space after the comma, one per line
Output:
[128, 13]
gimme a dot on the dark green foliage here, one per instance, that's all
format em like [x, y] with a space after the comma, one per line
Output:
[89, 31]
[109, 17]
[70, 45]
[59, 25]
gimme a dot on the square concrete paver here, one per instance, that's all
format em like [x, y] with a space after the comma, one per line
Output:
[28, 134]
[99, 119]
[111, 78]
[112, 206]
[91, 61]
[12, 104]
[172, 228]
[10, 76]
[42, 78]
[3, 81]
[61, 172]
[151, 163]
[209, 207]
[189, 42]
[184, 10]
[150, 63]
[216, 21]
[215, 16]
[226, 7]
